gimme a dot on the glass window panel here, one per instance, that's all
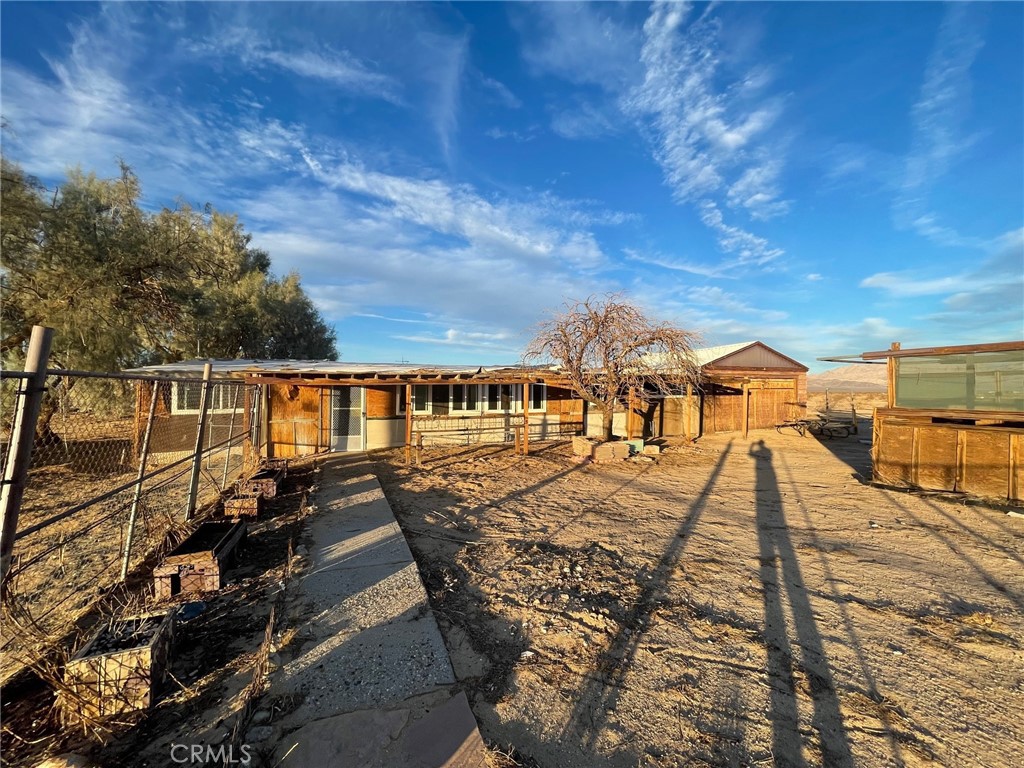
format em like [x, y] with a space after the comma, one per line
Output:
[419, 397]
[471, 392]
[979, 381]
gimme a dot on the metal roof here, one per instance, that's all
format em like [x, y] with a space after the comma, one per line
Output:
[227, 368]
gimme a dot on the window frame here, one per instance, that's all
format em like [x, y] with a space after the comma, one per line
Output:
[218, 388]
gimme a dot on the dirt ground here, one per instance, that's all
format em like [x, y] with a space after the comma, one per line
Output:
[738, 602]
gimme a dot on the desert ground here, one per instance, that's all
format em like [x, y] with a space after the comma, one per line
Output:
[738, 602]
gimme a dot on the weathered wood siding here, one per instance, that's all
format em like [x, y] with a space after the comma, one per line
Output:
[294, 420]
[914, 451]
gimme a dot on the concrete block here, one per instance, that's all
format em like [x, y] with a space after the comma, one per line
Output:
[583, 446]
[652, 450]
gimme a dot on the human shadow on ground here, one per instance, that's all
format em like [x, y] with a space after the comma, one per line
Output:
[782, 582]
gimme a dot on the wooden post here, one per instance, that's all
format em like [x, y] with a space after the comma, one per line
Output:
[264, 452]
[197, 458]
[689, 407]
[746, 407]
[419, 449]
[23, 433]
[408, 423]
[891, 371]
[629, 414]
[526, 419]
[137, 495]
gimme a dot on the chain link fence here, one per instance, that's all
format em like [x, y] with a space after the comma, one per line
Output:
[119, 464]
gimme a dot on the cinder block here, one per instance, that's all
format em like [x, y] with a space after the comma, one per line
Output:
[652, 450]
[583, 446]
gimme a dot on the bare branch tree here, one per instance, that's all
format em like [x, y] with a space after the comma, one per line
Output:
[608, 349]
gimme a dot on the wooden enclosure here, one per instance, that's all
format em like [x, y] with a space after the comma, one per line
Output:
[200, 562]
[976, 450]
[119, 670]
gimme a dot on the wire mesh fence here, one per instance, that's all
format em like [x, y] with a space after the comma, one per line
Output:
[113, 466]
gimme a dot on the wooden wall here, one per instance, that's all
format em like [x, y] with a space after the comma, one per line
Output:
[294, 420]
[980, 460]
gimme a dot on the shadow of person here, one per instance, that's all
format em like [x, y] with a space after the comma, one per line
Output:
[780, 571]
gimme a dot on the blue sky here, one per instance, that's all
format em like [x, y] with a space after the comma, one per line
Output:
[824, 177]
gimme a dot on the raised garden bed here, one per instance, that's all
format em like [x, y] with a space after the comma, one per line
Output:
[199, 563]
[263, 482]
[119, 670]
[243, 506]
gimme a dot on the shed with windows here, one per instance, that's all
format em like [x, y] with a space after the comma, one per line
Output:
[954, 419]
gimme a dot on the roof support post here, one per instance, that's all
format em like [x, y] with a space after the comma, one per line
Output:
[408, 424]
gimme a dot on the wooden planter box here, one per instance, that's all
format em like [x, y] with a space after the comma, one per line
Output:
[199, 563]
[263, 482]
[243, 506]
[119, 670]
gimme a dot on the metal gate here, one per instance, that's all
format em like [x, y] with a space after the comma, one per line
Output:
[347, 419]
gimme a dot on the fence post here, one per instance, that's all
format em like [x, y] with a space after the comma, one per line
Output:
[19, 452]
[197, 459]
[137, 496]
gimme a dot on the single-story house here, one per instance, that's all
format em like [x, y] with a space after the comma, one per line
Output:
[301, 407]
[954, 420]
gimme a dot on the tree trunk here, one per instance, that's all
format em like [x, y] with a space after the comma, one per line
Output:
[608, 416]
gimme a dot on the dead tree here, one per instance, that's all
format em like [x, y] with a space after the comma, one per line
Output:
[610, 351]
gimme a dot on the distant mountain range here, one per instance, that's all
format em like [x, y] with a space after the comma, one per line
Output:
[849, 378]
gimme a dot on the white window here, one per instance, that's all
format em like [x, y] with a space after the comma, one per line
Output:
[504, 397]
[465, 397]
[538, 397]
[224, 398]
[420, 398]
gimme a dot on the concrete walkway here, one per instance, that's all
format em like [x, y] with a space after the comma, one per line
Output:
[368, 664]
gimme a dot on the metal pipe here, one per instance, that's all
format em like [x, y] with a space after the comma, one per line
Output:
[23, 433]
[197, 462]
[137, 496]
[231, 435]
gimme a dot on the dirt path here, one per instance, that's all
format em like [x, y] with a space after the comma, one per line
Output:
[745, 601]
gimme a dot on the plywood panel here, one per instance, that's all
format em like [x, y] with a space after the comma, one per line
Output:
[294, 420]
[726, 412]
[935, 459]
[986, 463]
[895, 454]
[381, 402]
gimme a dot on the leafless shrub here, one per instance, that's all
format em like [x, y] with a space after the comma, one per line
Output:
[609, 349]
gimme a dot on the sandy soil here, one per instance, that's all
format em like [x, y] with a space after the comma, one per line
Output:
[739, 602]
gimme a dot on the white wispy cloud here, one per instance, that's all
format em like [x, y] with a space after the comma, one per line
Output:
[714, 296]
[679, 265]
[337, 67]
[444, 71]
[938, 116]
[749, 248]
[583, 120]
[702, 133]
[989, 296]
[501, 92]
[583, 43]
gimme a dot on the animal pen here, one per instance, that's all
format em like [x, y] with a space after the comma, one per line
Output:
[954, 420]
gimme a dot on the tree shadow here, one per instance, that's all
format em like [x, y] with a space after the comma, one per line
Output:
[600, 694]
